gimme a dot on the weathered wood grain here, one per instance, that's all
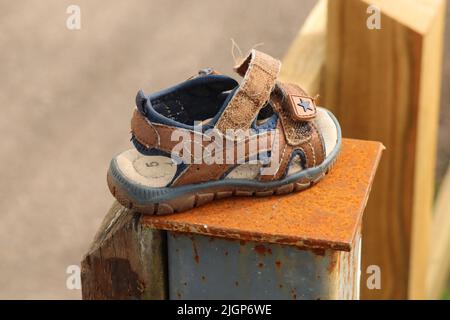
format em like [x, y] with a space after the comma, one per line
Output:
[303, 63]
[385, 85]
[439, 262]
[126, 260]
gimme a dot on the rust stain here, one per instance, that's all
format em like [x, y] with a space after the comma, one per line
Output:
[330, 213]
[278, 264]
[261, 265]
[319, 252]
[261, 249]
[196, 256]
[334, 263]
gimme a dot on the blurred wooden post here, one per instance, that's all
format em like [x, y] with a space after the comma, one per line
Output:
[385, 85]
[305, 59]
[439, 262]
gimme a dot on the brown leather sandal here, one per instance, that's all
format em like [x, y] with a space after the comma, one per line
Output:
[210, 138]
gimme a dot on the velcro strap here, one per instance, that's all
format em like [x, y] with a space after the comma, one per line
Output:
[296, 131]
[299, 105]
[260, 72]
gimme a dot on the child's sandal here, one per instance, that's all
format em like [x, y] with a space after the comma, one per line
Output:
[259, 138]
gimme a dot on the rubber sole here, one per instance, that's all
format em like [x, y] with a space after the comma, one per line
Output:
[196, 199]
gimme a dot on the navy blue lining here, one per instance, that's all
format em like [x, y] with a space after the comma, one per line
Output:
[197, 99]
[267, 125]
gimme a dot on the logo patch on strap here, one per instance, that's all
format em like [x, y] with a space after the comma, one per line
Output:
[302, 108]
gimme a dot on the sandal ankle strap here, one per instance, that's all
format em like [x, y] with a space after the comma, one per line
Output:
[260, 72]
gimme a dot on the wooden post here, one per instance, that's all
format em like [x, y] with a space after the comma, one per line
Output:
[385, 85]
[439, 262]
[125, 261]
[304, 62]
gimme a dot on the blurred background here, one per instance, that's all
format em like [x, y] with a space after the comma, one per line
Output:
[66, 98]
